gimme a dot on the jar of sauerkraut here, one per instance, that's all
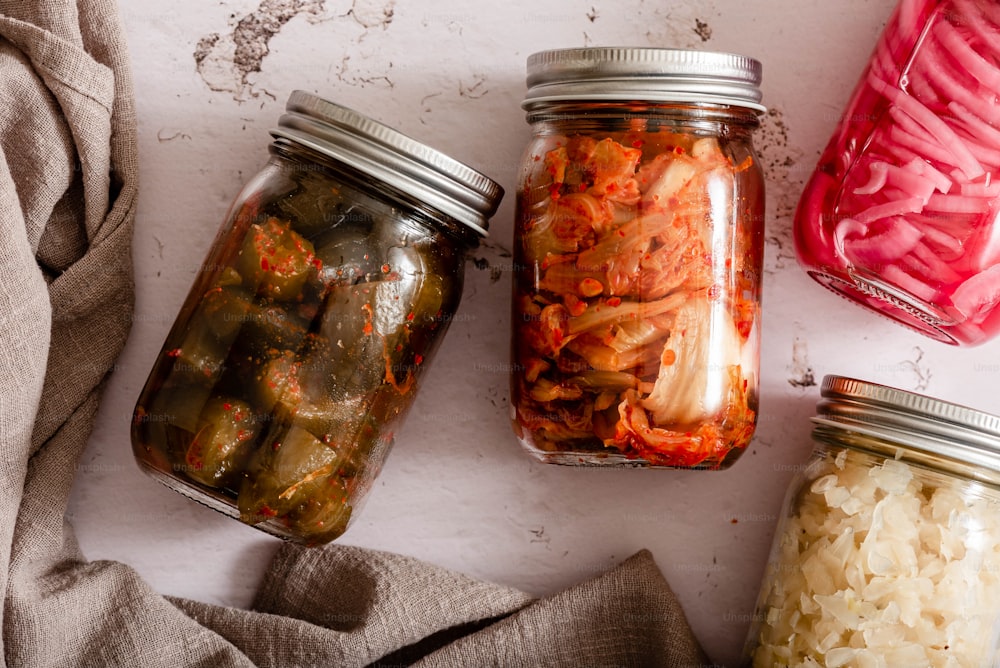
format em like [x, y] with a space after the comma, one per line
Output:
[901, 214]
[887, 552]
[303, 340]
[638, 250]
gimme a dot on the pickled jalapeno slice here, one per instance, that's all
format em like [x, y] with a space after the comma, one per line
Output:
[288, 472]
[276, 260]
[225, 431]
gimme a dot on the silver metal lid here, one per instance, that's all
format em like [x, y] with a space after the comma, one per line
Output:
[932, 432]
[646, 74]
[382, 153]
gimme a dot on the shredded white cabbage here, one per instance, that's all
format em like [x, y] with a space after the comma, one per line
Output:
[885, 565]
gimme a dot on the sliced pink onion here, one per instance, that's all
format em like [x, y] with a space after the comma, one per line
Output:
[979, 128]
[990, 190]
[931, 151]
[945, 245]
[965, 55]
[889, 245]
[908, 283]
[958, 204]
[978, 295]
[890, 209]
[919, 166]
[936, 267]
[934, 125]
[879, 174]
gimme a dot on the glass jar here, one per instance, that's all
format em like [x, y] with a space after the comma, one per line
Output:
[887, 551]
[901, 213]
[638, 255]
[301, 344]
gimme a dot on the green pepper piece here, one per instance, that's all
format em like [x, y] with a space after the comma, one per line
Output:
[225, 309]
[197, 367]
[348, 257]
[180, 403]
[284, 472]
[276, 261]
[314, 205]
[348, 355]
[323, 514]
[278, 380]
[226, 429]
[328, 418]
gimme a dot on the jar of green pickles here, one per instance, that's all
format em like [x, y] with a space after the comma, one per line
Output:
[303, 340]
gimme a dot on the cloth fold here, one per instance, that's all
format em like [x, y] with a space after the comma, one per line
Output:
[68, 187]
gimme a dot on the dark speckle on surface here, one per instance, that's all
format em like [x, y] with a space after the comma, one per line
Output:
[703, 30]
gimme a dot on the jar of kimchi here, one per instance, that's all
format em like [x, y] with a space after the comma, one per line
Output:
[638, 250]
[302, 342]
[901, 214]
[887, 549]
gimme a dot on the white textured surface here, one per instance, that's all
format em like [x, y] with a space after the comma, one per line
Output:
[457, 490]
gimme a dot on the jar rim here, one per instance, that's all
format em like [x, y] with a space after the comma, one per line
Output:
[649, 74]
[933, 427]
[380, 152]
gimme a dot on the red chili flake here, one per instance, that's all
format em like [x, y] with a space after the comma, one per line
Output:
[264, 264]
[582, 187]
[418, 358]
[316, 262]
[410, 316]
[227, 406]
[614, 301]
[679, 150]
[267, 511]
[399, 347]
[276, 445]
[536, 158]
[176, 352]
[638, 143]
[386, 268]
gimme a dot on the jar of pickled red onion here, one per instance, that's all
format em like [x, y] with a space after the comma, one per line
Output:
[887, 551]
[638, 251]
[901, 213]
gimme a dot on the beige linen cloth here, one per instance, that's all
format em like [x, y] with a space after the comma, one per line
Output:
[68, 178]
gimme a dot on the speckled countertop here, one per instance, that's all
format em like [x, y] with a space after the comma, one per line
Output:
[211, 78]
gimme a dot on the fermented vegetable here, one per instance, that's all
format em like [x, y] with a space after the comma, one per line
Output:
[636, 298]
[901, 212]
